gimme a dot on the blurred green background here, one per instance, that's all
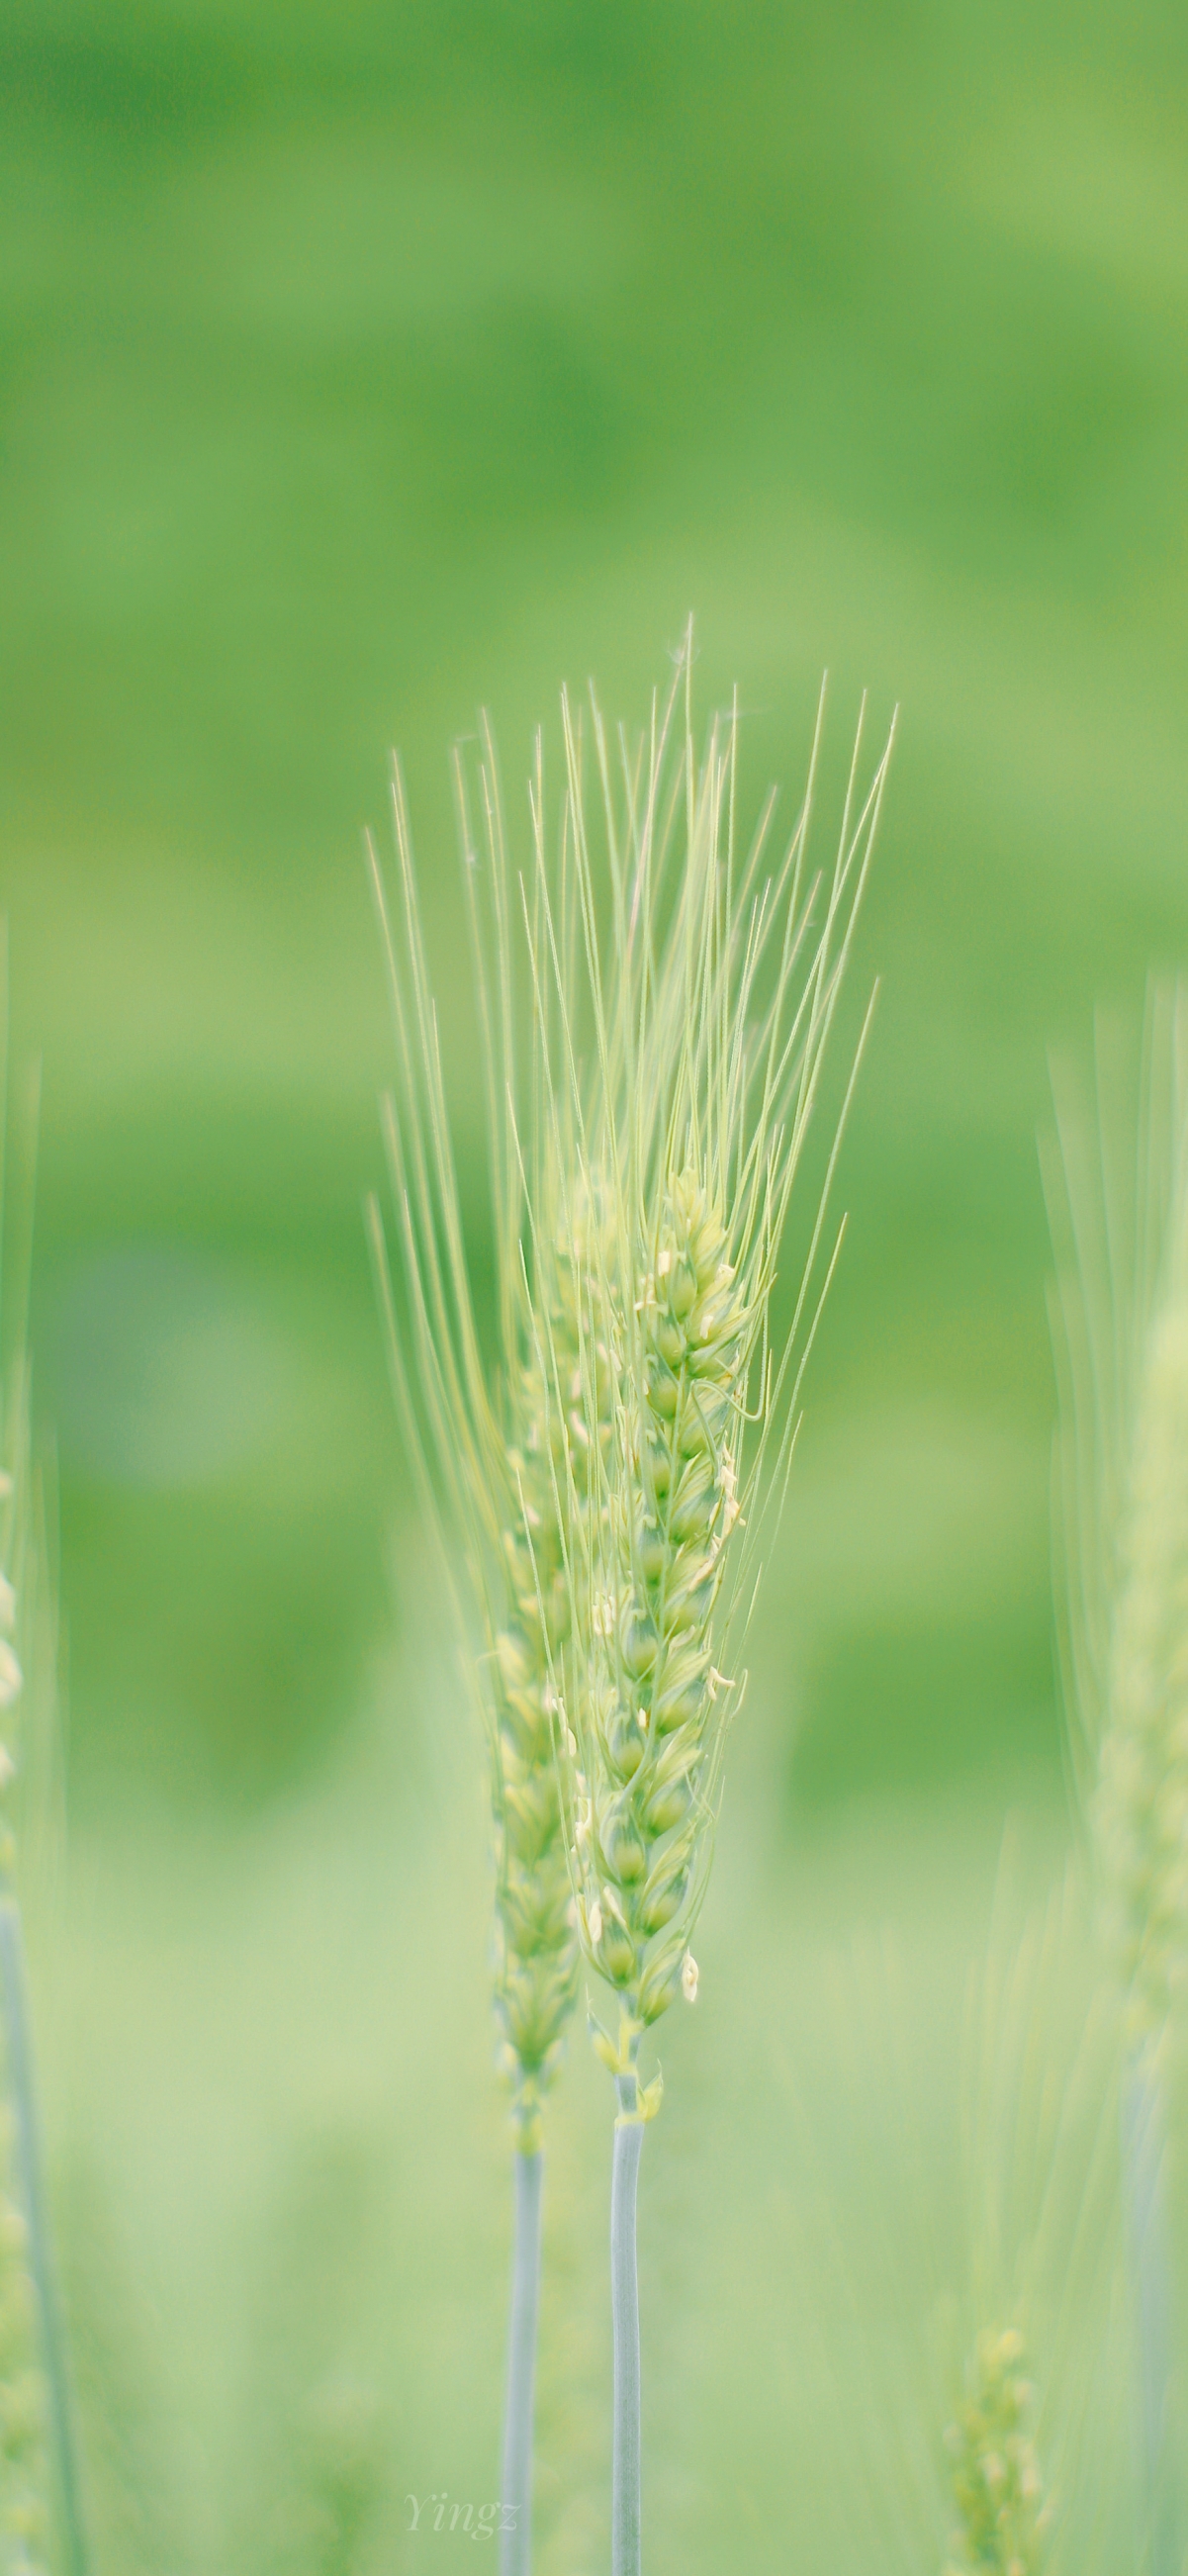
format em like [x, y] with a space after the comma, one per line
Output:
[362, 365]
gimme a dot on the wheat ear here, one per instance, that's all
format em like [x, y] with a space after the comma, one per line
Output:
[996, 2300]
[1118, 1194]
[996, 2483]
[679, 1047]
[483, 1445]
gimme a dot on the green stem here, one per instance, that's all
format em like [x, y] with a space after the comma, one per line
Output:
[19, 2057]
[625, 2466]
[516, 2544]
[1149, 2250]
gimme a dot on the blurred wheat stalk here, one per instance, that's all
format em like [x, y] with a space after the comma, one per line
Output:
[1117, 1176]
[42, 2515]
[993, 2442]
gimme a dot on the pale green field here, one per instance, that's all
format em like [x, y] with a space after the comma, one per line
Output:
[285, 2190]
[360, 367]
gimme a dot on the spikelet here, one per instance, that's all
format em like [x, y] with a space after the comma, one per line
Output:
[997, 2487]
[1118, 1194]
[680, 1054]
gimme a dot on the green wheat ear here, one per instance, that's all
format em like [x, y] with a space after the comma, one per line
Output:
[1118, 1196]
[683, 1000]
[484, 1442]
[680, 1047]
[997, 2487]
[479, 1436]
[642, 1152]
[1016, 2239]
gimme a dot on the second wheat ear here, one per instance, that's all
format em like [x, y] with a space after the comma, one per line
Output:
[478, 1438]
[1117, 1177]
[682, 1013]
